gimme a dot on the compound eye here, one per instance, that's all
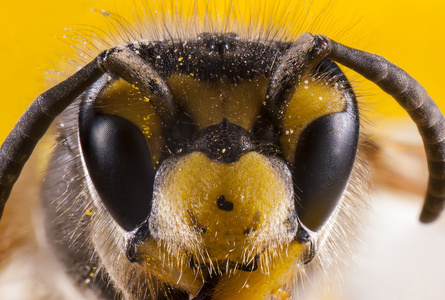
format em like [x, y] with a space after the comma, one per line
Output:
[319, 137]
[323, 163]
[119, 163]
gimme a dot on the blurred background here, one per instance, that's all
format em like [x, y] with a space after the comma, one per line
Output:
[408, 33]
[397, 257]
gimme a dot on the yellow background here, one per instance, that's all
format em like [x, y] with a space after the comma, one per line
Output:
[409, 33]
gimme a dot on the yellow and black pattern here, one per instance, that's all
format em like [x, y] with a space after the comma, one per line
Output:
[230, 169]
[227, 192]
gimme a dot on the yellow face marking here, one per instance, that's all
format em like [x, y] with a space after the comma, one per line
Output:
[209, 103]
[256, 222]
[312, 99]
[260, 203]
[125, 100]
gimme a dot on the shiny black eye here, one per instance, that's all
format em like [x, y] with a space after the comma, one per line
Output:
[119, 163]
[325, 154]
[323, 163]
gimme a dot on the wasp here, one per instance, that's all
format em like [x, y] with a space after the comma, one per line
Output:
[215, 165]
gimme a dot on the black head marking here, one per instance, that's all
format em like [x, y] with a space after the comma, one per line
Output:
[223, 204]
[224, 142]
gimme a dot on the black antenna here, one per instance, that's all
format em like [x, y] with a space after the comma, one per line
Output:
[32, 125]
[425, 113]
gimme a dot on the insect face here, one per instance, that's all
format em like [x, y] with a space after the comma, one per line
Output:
[210, 166]
[224, 187]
